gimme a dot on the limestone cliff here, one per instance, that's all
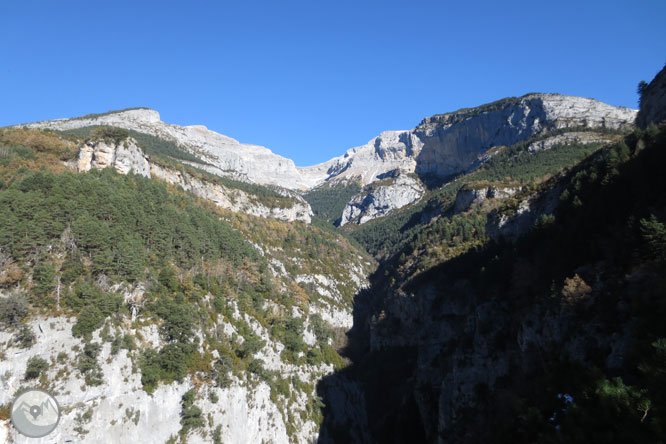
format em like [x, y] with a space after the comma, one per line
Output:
[381, 199]
[449, 143]
[124, 157]
[442, 144]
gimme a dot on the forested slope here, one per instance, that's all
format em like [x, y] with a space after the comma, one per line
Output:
[555, 337]
[152, 289]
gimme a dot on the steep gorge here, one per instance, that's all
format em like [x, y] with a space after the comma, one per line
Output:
[549, 331]
[449, 340]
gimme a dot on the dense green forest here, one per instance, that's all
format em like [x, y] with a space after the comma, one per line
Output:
[612, 218]
[116, 221]
[328, 201]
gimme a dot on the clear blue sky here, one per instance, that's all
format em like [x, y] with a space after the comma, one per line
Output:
[309, 79]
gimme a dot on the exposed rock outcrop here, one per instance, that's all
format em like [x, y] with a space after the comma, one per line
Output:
[121, 411]
[381, 200]
[467, 196]
[448, 144]
[442, 144]
[124, 157]
[579, 137]
[233, 199]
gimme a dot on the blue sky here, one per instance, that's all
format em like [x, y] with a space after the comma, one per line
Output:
[309, 79]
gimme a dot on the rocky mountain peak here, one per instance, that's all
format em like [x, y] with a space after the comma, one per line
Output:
[559, 111]
[146, 115]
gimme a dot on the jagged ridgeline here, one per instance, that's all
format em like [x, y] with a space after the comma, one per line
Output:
[117, 286]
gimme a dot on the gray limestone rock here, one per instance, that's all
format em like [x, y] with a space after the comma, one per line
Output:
[382, 200]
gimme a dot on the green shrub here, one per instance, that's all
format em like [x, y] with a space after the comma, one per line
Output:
[168, 364]
[25, 337]
[115, 345]
[89, 320]
[252, 344]
[320, 328]
[173, 359]
[222, 370]
[35, 367]
[256, 366]
[44, 279]
[653, 233]
[190, 415]
[217, 435]
[88, 366]
[110, 134]
[150, 369]
[128, 342]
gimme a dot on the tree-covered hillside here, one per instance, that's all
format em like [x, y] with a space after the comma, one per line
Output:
[556, 337]
[329, 200]
[231, 296]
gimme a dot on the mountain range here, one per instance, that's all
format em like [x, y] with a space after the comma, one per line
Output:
[440, 146]
[494, 274]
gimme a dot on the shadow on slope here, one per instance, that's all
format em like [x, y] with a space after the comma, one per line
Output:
[478, 349]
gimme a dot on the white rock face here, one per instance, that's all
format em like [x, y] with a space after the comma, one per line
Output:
[449, 143]
[156, 415]
[127, 156]
[382, 200]
[122, 412]
[391, 150]
[233, 199]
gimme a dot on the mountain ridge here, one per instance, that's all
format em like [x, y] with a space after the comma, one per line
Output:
[441, 146]
[391, 149]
